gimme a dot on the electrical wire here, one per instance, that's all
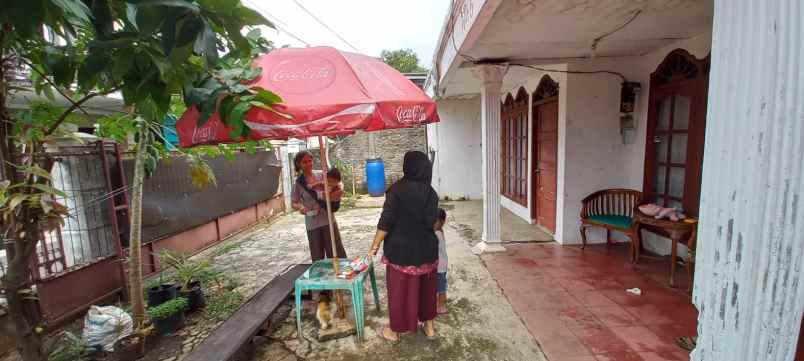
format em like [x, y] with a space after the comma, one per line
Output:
[572, 71]
[325, 25]
[277, 22]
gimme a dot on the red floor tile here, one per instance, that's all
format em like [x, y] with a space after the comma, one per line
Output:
[642, 339]
[666, 356]
[574, 302]
[668, 333]
[563, 344]
[620, 356]
[593, 298]
[614, 316]
[601, 340]
[652, 314]
[575, 358]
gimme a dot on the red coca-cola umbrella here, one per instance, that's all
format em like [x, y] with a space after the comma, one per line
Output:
[325, 92]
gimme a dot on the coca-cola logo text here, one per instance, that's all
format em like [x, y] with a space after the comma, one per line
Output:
[312, 73]
[204, 133]
[411, 114]
[302, 75]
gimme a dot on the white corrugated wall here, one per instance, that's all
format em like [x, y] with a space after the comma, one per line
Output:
[751, 238]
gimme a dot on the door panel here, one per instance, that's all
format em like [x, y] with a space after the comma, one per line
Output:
[545, 176]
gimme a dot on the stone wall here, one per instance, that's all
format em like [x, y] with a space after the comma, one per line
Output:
[389, 145]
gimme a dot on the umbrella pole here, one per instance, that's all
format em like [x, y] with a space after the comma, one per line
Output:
[338, 297]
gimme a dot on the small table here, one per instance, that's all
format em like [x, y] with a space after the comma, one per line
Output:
[674, 230]
[321, 276]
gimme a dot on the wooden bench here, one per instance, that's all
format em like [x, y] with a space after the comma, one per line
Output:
[224, 342]
[612, 209]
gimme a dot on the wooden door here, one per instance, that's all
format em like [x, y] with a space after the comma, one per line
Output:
[675, 139]
[545, 140]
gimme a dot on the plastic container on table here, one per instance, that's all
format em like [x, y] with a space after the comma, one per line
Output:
[375, 177]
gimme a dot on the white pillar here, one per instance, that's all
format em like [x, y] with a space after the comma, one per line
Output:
[492, 77]
[749, 286]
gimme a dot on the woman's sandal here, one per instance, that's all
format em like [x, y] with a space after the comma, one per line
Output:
[386, 338]
[423, 329]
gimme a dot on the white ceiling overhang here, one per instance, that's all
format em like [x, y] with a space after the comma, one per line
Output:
[564, 31]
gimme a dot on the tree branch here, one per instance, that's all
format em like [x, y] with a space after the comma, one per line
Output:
[29, 64]
[77, 105]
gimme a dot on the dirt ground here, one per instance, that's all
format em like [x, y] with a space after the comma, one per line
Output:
[481, 324]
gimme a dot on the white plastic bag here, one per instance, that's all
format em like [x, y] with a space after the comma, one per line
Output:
[104, 325]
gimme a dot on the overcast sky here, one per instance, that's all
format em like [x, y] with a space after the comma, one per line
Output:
[369, 25]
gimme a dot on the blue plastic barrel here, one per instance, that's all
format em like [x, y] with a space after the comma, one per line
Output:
[375, 177]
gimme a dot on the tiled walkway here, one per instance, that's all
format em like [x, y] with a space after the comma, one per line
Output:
[575, 304]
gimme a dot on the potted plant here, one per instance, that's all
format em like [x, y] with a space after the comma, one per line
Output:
[132, 347]
[169, 316]
[161, 293]
[188, 274]
[70, 348]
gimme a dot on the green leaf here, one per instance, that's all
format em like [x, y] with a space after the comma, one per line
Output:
[206, 45]
[16, 200]
[64, 71]
[195, 96]
[169, 33]
[208, 106]
[38, 171]
[226, 107]
[89, 72]
[170, 3]
[237, 113]
[190, 30]
[149, 18]
[251, 17]
[267, 97]
[72, 7]
[123, 63]
[48, 189]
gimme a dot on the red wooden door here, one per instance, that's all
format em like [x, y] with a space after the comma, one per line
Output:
[675, 137]
[545, 142]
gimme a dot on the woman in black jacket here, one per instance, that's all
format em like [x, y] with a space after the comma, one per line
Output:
[410, 250]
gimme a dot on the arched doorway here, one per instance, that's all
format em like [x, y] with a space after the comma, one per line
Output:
[545, 151]
[675, 131]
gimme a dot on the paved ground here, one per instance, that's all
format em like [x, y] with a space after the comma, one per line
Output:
[481, 324]
[574, 302]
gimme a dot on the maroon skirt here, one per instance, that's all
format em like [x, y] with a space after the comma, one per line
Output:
[411, 299]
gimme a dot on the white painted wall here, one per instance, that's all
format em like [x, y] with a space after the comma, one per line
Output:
[596, 156]
[591, 153]
[456, 142]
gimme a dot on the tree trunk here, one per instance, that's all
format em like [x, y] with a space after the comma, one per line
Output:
[135, 239]
[27, 338]
[29, 341]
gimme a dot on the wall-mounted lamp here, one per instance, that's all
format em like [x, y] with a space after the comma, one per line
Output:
[628, 96]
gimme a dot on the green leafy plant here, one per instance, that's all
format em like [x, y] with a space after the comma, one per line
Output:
[70, 348]
[167, 309]
[148, 51]
[185, 269]
[223, 304]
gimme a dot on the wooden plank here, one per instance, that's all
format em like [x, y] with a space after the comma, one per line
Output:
[235, 332]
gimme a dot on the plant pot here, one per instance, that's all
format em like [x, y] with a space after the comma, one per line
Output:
[195, 298]
[130, 348]
[169, 325]
[161, 294]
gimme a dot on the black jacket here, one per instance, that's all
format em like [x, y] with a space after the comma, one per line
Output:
[408, 215]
